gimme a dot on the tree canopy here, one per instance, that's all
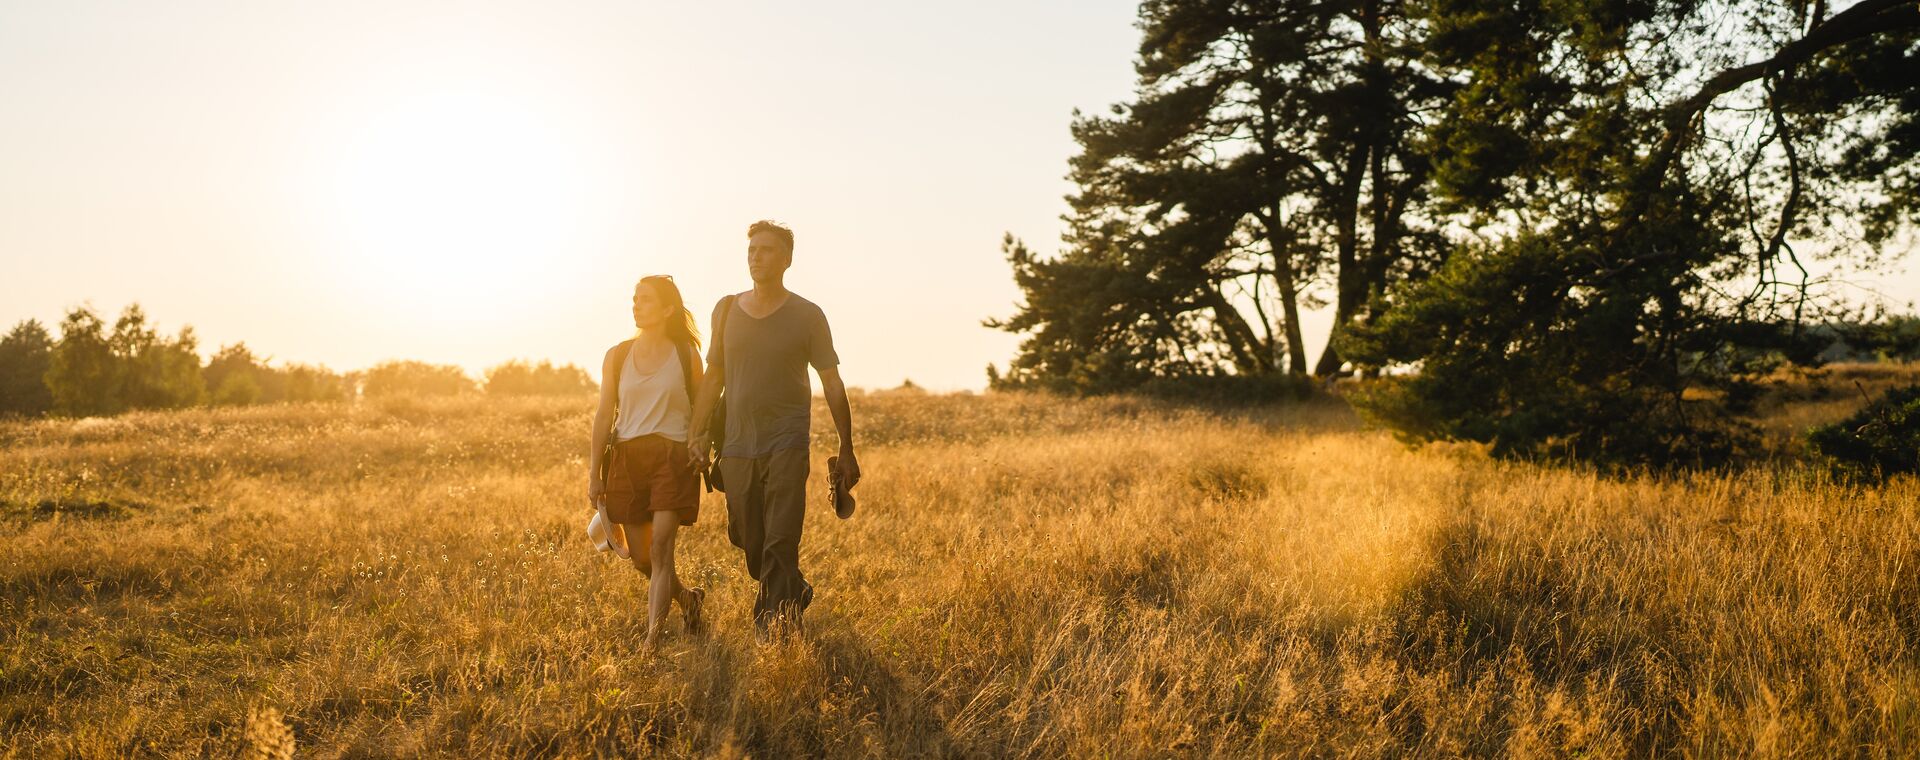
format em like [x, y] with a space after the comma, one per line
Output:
[1578, 226]
[1269, 147]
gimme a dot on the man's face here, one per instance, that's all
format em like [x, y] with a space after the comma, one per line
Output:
[767, 257]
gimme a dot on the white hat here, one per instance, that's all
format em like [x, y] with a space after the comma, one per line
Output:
[606, 535]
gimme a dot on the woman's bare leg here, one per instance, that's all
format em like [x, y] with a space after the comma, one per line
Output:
[665, 587]
[642, 557]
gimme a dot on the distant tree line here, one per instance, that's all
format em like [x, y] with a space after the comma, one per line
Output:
[1582, 226]
[89, 369]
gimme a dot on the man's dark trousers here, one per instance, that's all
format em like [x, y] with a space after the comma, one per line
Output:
[766, 505]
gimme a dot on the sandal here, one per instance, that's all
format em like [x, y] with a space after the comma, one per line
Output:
[691, 612]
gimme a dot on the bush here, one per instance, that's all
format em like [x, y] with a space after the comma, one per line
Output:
[1230, 389]
[237, 389]
[399, 378]
[82, 374]
[301, 382]
[1880, 440]
[521, 378]
[239, 377]
[156, 373]
[25, 354]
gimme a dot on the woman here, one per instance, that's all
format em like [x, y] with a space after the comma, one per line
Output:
[650, 485]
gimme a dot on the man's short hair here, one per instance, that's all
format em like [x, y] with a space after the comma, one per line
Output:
[779, 230]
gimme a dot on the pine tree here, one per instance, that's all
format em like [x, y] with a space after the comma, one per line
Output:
[1267, 146]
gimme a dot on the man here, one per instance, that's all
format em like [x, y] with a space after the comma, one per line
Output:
[763, 341]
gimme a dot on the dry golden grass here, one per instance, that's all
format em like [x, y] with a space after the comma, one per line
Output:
[1797, 400]
[1026, 576]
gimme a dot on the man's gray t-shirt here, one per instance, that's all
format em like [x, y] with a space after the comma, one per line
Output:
[769, 396]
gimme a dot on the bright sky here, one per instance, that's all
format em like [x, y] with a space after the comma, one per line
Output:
[347, 182]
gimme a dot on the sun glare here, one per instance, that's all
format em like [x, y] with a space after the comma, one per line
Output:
[449, 202]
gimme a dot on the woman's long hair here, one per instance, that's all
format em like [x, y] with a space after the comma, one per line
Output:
[682, 330]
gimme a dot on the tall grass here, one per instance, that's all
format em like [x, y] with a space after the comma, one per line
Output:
[1026, 576]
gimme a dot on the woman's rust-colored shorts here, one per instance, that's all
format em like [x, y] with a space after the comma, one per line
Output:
[651, 474]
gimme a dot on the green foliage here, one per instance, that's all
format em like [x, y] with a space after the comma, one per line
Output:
[1509, 353]
[92, 372]
[413, 378]
[25, 355]
[302, 382]
[230, 373]
[1074, 342]
[1578, 225]
[155, 373]
[239, 377]
[1636, 201]
[1893, 338]
[523, 378]
[1266, 147]
[83, 375]
[1880, 440]
[237, 389]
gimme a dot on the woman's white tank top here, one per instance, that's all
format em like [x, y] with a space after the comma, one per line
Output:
[653, 403]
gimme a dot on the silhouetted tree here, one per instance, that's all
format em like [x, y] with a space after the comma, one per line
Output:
[1266, 142]
[25, 355]
[1641, 180]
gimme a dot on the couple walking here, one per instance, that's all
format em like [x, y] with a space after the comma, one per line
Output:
[656, 428]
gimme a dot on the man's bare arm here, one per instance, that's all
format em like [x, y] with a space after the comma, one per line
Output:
[836, 392]
[699, 438]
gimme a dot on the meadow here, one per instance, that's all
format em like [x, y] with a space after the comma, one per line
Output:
[1026, 576]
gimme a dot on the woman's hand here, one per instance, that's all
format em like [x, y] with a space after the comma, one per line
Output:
[596, 491]
[697, 454]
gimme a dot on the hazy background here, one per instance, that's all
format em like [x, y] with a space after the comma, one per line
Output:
[347, 182]
[469, 183]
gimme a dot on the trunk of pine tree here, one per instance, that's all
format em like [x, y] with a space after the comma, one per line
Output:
[1250, 355]
[1350, 276]
[1288, 285]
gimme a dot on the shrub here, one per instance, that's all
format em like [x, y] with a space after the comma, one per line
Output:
[25, 354]
[521, 378]
[1881, 439]
[237, 389]
[82, 374]
[397, 378]
[301, 382]
[239, 377]
[155, 372]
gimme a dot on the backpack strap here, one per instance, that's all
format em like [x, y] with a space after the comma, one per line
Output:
[625, 349]
[720, 324]
[684, 352]
[606, 452]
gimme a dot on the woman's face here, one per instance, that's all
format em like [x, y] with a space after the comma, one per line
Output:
[649, 309]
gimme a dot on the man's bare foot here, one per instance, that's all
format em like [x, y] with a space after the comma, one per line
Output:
[653, 642]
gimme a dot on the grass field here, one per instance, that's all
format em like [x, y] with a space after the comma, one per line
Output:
[1027, 576]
